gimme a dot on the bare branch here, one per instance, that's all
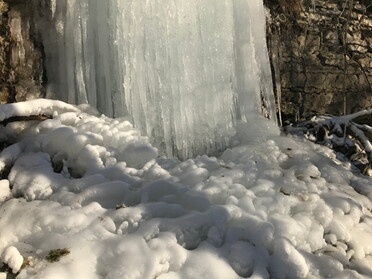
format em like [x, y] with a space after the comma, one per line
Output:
[40, 117]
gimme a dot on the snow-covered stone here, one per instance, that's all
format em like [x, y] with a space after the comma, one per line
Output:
[12, 258]
[5, 192]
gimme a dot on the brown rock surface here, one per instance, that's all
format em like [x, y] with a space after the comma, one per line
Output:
[322, 53]
[5, 73]
[21, 57]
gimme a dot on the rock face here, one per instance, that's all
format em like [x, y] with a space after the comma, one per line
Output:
[21, 58]
[4, 54]
[321, 54]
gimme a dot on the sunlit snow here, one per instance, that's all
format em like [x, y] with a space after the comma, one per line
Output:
[279, 208]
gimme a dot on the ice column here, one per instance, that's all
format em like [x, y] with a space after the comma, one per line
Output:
[184, 71]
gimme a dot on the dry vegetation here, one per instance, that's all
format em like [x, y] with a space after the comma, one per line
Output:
[350, 135]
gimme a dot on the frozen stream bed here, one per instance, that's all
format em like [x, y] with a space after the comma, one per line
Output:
[94, 188]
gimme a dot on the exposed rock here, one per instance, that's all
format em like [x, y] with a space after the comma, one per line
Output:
[5, 76]
[322, 53]
[21, 57]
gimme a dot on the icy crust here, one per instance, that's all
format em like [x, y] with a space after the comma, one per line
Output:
[282, 208]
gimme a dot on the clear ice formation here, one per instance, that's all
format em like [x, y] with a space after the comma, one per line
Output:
[185, 72]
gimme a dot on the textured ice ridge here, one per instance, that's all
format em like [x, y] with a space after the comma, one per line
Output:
[185, 72]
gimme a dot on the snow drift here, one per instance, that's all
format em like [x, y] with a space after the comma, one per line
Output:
[93, 186]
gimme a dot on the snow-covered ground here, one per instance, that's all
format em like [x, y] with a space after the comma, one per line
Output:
[96, 189]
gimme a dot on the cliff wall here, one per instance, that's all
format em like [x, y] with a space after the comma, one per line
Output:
[321, 53]
[22, 76]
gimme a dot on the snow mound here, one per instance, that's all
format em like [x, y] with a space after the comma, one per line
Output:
[4, 190]
[12, 258]
[282, 208]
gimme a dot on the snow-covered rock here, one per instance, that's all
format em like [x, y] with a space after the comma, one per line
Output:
[5, 192]
[12, 258]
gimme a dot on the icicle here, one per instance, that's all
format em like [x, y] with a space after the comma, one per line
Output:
[184, 71]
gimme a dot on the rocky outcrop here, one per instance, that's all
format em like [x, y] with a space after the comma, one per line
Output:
[321, 53]
[21, 57]
[5, 75]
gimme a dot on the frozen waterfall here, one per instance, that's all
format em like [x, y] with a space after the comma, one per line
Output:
[185, 72]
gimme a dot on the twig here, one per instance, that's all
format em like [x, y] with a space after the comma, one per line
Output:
[40, 117]
[346, 134]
